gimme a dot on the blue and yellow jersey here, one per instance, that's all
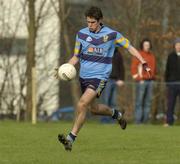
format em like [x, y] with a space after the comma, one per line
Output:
[96, 50]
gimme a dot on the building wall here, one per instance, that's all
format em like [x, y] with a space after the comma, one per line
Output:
[13, 24]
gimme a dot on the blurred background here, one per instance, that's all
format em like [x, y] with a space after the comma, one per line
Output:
[38, 35]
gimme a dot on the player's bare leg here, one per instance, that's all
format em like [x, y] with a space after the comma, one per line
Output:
[81, 111]
[101, 109]
[82, 108]
[88, 100]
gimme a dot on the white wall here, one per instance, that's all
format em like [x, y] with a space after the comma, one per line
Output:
[13, 20]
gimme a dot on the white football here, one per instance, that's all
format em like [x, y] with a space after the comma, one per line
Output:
[67, 72]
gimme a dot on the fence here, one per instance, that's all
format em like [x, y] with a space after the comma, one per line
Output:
[126, 100]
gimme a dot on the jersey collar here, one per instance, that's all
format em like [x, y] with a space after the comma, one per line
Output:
[99, 29]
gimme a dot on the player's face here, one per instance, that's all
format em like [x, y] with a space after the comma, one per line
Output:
[177, 47]
[93, 24]
[146, 46]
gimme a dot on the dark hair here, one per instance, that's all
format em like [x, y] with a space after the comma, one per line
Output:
[145, 40]
[94, 12]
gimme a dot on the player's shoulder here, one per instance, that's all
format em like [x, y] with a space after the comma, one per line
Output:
[84, 30]
[82, 33]
[108, 29]
[111, 30]
[111, 33]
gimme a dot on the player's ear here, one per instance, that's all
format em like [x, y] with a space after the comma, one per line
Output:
[100, 21]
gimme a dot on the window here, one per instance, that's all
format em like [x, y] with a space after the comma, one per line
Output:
[13, 46]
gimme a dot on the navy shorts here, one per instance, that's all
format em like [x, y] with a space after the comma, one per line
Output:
[96, 84]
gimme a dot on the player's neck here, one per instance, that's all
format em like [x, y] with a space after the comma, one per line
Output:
[98, 29]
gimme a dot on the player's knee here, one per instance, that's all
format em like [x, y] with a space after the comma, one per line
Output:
[81, 106]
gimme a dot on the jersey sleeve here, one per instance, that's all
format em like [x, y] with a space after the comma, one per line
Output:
[77, 48]
[121, 41]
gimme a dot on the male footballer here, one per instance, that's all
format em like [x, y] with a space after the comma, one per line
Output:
[94, 49]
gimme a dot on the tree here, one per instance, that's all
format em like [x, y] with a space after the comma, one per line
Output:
[31, 63]
[39, 15]
[63, 11]
[14, 18]
[10, 99]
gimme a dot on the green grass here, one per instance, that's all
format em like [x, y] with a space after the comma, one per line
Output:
[23, 143]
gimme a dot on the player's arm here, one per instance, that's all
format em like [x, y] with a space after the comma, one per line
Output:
[74, 60]
[135, 53]
[124, 42]
[77, 50]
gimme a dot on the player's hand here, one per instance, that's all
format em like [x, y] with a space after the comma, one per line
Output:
[147, 69]
[56, 73]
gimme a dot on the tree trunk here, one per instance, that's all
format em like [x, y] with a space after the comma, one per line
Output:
[30, 58]
[74, 86]
[160, 101]
[137, 22]
[60, 16]
[165, 26]
[135, 40]
[63, 14]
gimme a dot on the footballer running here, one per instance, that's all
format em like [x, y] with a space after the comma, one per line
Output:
[94, 49]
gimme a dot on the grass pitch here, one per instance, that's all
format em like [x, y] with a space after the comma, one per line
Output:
[23, 143]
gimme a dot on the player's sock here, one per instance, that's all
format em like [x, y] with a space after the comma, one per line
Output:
[119, 117]
[71, 137]
[116, 114]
